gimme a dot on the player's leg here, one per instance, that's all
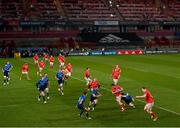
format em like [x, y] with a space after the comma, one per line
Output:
[153, 114]
[47, 93]
[60, 82]
[27, 76]
[65, 79]
[51, 65]
[121, 105]
[88, 83]
[132, 105]
[115, 81]
[62, 89]
[39, 97]
[62, 64]
[40, 71]
[43, 96]
[94, 103]
[90, 103]
[5, 80]
[21, 76]
[87, 110]
[81, 109]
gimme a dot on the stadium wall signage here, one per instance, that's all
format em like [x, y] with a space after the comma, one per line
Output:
[78, 54]
[161, 51]
[130, 52]
[111, 39]
[96, 53]
[109, 53]
[106, 23]
[32, 23]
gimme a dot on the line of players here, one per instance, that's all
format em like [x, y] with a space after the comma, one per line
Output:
[61, 76]
[123, 99]
[93, 86]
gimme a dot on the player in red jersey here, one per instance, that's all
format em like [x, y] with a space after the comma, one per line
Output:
[94, 84]
[35, 58]
[115, 75]
[116, 90]
[24, 71]
[117, 68]
[51, 62]
[61, 60]
[87, 77]
[41, 67]
[46, 57]
[69, 69]
[149, 103]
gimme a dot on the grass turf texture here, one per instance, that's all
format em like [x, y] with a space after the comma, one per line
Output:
[159, 73]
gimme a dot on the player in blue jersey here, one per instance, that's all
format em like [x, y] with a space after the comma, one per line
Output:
[6, 69]
[127, 99]
[41, 87]
[80, 105]
[47, 84]
[94, 98]
[60, 78]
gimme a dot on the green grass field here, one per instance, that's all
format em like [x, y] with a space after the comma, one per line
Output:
[159, 73]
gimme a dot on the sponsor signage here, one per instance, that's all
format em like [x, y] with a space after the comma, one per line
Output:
[161, 52]
[78, 54]
[109, 53]
[32, 23]
[106, 23]
[112, 39]
[96, 53]
[59, 23]
[130, 52]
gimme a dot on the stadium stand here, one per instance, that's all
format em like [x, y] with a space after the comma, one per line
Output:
[88, 10]
[140, 10]
[57, 23]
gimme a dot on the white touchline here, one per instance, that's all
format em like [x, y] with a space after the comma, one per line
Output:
[168, 110]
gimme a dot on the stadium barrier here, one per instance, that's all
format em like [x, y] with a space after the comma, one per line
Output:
[96, 53]
[161, 51]
[78, 54]
[106, 53]
[130, 52]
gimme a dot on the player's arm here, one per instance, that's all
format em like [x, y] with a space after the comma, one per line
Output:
[11, 68]
[143, 96]
[48, 83]
[37, 84]
[99, 94]
[119, 90]
[56, 77]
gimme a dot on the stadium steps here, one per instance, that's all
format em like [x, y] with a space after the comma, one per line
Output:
[58, 4]
[114, 8]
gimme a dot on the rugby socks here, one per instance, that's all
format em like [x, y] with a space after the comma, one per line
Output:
[122, 107]
[153, 114]
[94, 105]
[81, 113]
[44, 98]
[87, 114]
[5, 80]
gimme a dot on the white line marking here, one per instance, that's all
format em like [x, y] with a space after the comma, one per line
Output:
[4, 106]
[168, 110]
